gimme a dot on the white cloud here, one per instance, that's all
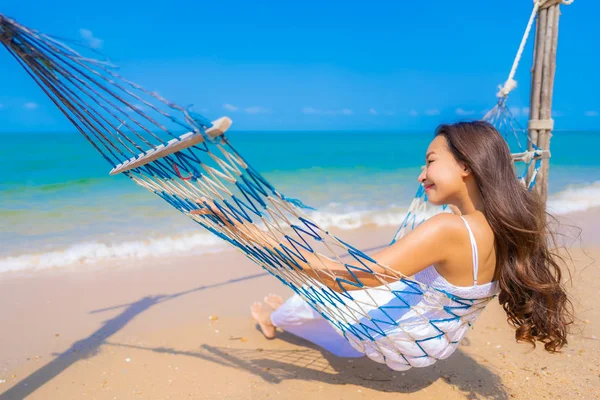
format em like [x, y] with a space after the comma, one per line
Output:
[256, 110]
[91, 40]
[587, 113]
[519, 111]
[463, 112]
[230, 107]
[30, 105]
[372, 111]
[413, 113]
[309, 110]
[315, 111]
[432, 112]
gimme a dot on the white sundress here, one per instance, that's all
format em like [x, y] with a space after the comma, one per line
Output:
[413, 341]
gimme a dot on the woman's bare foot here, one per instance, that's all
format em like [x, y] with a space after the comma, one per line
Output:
[273, 301]
[262, 315]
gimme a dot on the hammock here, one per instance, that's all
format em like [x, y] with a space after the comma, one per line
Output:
[138, 133]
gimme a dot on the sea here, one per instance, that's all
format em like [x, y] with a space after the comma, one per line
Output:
[59, 207]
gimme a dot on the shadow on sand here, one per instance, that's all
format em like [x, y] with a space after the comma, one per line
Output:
[312, 363]
[275, 366]
[88, 347]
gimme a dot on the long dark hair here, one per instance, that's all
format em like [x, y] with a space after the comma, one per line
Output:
[528, 266]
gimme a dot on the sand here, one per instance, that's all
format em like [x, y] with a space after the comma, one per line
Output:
[179, 328]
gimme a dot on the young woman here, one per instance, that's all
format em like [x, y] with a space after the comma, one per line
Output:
[495, 242]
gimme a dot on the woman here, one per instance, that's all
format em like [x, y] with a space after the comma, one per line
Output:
[497, 241]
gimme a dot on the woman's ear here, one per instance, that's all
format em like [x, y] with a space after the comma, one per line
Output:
[466, 171]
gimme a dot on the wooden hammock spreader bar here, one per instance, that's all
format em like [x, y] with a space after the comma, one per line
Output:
[220, 126]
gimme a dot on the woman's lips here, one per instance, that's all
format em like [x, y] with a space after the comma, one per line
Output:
[427, 187]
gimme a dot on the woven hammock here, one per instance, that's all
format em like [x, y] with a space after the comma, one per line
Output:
[139, 133]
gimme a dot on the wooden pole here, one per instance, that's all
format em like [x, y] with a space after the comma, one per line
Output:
[542, 87]
[536, 80]
[547, 91]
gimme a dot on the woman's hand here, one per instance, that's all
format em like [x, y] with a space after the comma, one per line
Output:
[247, 231]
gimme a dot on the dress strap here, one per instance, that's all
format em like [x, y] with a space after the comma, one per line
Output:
[473, 251]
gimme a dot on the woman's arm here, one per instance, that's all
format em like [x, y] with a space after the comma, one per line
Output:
[430, 243]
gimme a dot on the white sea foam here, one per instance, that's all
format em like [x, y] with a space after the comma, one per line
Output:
[334, 215]
[356, 218]
[93, 252]
[575, 198]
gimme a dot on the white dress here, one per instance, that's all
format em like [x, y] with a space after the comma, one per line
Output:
[422, 331]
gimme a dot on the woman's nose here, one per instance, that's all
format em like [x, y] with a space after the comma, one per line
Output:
[423, 174]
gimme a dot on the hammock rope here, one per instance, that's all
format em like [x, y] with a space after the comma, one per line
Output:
[510, 84]
[202, 175]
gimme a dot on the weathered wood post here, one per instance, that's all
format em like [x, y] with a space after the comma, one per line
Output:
[542, 83]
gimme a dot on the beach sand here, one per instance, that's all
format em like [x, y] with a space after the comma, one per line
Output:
[180, 328]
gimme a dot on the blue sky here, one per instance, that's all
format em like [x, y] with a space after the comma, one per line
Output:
[315, 65]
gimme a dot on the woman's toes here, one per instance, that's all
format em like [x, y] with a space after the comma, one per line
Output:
[255, 310]
[263, 317]
[274, 301]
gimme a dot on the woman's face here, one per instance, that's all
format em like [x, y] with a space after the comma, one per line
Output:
[442, 176]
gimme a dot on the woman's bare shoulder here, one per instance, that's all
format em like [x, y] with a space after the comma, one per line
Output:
[444, 225]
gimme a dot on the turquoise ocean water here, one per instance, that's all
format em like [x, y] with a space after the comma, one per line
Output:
[59, 206]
